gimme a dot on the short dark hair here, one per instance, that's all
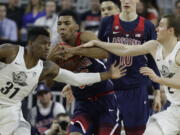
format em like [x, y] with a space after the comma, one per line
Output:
[36, 31]
[116, 2]
[176, 3]
[173, 21]
[68, 12]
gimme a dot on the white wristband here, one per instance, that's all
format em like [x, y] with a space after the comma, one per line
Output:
[77, 79]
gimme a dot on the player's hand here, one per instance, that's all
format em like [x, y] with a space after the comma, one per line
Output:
[150, 73]
[54, 53]
[117, 71]
[157, 102]
[66, 53]
[67, 93]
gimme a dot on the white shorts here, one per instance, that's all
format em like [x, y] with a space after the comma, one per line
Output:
[10, 119]
[168, 120]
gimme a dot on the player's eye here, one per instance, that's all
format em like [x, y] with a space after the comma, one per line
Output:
[109, 8]
[102, 9]
[67, 23]
[59, 23]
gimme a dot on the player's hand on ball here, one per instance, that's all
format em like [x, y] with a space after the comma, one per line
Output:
[117, 71]
[150, 73]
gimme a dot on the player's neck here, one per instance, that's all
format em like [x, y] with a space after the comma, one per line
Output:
[128, 16]
[169, 45]
[29, 58]
[72, 40]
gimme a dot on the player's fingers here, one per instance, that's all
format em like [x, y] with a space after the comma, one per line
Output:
[122, 67]
[87, 45]
[123, 74]
[114, 63]
[123, 71]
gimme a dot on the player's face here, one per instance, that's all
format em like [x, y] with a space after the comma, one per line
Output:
[128, 5]
[162, 30]
[108, 8]
[67, 27]
[41, 46]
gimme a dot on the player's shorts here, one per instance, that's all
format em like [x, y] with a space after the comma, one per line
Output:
[10, 119]
[134, 107]
[99, 117]
[168, 120]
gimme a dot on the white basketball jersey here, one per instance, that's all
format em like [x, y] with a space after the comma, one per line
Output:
[168, 68]
[16, 81]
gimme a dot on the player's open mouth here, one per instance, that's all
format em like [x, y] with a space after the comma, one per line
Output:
[126, 6]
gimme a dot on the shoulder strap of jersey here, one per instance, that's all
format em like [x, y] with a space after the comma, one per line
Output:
[176, 49]
[52, 108]
[140, 26]
[116, 24]
[78, 39]
[20, 55]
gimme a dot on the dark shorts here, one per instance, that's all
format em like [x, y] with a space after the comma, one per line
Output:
[134, 107]
[99, 117]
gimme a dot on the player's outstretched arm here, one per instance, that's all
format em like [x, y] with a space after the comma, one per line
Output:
[170, 82]
[93, 52]
[64, 52]
[51, 70]
[124, 50]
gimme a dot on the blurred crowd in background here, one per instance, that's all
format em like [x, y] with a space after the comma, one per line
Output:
[17, 16]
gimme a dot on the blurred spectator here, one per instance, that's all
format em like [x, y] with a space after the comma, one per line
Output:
[8, 28]
[166, 6]
[45, 111]
[177, 7]
[50, 19]
[15, 12]
[146, 10]
[34, 11]
[109, 8]
[66, 4]
[91, 19]
[60, 125]
[82, 6]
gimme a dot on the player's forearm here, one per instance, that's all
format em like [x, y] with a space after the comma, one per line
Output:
[94, 52]
[157, 93]
[170, 82]
[123, 50]
[79, 79]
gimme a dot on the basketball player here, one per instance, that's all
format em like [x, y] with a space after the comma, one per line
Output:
[102, 118]
[132, 90]
[108, 8]
[22, 68]
[166, 52]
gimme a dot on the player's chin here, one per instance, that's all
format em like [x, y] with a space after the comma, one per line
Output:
[43, 57]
